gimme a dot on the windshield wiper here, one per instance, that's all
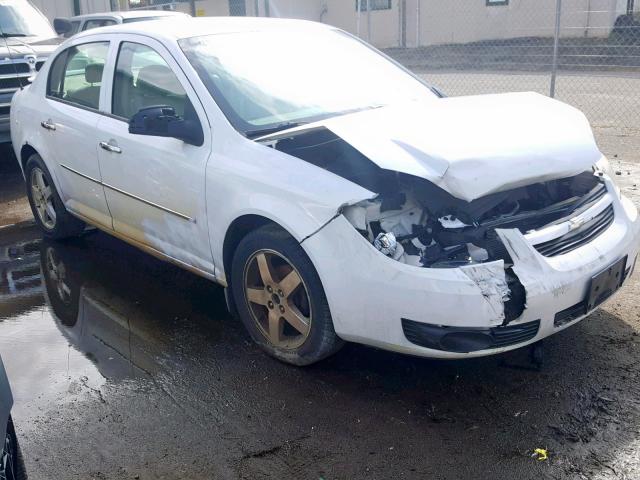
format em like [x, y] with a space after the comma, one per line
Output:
[260, 132]
[10, 35]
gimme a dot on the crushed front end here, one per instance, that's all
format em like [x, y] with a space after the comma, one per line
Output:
[443, 277]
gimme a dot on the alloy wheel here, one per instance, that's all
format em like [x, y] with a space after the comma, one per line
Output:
[56, 271]
[42, 195]
[278, 299]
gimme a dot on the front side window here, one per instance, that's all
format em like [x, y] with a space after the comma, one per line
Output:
[97, 23]
[143, 79]
[76, 74]
[75, 26]
[262, 80]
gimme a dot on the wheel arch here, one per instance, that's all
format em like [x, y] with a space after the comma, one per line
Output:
[25, 153]
[238, 229]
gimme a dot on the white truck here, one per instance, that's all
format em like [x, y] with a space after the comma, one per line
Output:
[26, 40]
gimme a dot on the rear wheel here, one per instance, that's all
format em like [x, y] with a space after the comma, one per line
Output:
[280, 298]
[48, 210]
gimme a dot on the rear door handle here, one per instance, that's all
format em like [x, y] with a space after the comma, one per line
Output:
[48, 124]
[110, 148]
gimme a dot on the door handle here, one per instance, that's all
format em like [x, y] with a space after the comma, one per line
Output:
[110, 148]
[48, 124]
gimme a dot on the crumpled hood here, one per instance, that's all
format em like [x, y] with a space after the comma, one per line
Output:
[473, 146]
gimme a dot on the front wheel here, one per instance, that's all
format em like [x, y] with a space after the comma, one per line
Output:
[50, 213]
[280, 298]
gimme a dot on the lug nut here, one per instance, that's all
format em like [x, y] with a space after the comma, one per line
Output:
[281, 309]
[269, 289]
[281, 293]
[270, 304]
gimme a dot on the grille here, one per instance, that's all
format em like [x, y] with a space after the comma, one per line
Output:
[4, 110]
[579, 237]
[13, 83]
[461, 339]
[505, 336]
[569, 314]
[13, 68]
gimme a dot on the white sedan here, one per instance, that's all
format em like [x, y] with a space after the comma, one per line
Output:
[336, 196]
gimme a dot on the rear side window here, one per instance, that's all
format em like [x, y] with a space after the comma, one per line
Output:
[75, 26]
[143, 79]
[97, 23]
[76, 74]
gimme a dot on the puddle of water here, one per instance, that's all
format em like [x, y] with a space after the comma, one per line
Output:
[41, 364]
[75, 315]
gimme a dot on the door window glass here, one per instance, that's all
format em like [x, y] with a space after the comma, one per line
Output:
[143, 79]
[76, 74]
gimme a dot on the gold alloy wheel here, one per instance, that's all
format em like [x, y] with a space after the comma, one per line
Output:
[278, 299]
[42, 195]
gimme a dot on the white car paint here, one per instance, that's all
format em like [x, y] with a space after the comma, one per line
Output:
[202, 190]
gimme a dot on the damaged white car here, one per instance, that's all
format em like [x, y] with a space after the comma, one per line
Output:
[335, 195]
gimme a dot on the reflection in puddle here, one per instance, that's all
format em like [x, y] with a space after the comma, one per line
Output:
[75, 314]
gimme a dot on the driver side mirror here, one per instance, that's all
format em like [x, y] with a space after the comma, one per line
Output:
[162, 121]
[62, 26]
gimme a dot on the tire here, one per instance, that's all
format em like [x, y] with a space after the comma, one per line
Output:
[12, 463]
[285, 258]
[54, 220]
[62, 285]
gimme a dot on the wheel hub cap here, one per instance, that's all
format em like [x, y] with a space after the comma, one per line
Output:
[42, 195]
[278, 299]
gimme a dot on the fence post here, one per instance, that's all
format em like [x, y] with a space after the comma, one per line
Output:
[418, 23]
[556, 41]
[369, 21]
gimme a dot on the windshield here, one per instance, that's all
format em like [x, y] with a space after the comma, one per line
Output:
[268, 80]
[21, 19]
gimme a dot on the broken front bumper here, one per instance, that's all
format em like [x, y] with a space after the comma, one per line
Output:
[378, 301]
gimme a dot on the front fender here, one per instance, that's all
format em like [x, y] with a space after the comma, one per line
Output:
[253, 179]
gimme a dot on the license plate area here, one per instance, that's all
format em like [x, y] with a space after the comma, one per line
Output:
[605, 283]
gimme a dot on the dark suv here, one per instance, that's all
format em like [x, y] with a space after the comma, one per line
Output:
[26, 40]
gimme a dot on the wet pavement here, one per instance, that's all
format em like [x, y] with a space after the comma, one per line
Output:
[126, 367]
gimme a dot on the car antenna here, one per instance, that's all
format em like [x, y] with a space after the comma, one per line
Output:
[15, 68]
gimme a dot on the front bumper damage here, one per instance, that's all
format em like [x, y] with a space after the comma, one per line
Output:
[460, 312]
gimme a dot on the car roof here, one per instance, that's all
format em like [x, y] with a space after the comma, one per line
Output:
[187, 27]
[128, 14]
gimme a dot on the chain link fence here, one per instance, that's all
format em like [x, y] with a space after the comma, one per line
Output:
[586, 53]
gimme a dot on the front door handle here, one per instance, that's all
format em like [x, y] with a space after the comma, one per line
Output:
[110, 148]
[48, 124]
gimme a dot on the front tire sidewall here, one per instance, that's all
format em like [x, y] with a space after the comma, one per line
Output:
[322, 340]
[66, 225]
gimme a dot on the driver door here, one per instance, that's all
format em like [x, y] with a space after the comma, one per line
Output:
[155, 186]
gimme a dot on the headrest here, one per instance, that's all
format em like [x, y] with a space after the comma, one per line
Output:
[160, 77]
[93, 72]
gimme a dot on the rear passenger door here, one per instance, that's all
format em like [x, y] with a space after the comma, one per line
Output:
[69, 119]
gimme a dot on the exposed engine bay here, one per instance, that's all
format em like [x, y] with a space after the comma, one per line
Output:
[418, 223]
[420, 226]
